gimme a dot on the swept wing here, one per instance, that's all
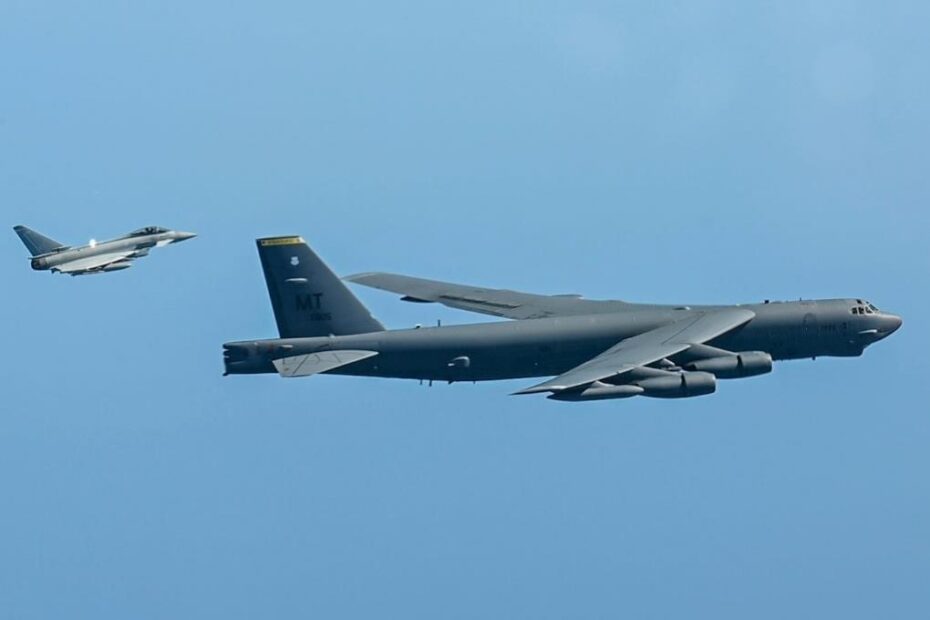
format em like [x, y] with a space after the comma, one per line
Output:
[496, 302]
[648, 348]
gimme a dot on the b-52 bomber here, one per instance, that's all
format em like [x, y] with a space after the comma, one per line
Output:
[114, 255]
[595, 350]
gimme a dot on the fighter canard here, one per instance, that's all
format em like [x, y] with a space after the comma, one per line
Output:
[595, 349]
[96, 257]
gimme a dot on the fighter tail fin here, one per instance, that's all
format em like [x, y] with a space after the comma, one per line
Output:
[35, 242]
[307, 297]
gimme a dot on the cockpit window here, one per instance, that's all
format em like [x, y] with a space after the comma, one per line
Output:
[148, 230]
[864, 307]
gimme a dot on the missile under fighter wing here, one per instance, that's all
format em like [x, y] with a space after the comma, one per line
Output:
[113, 255]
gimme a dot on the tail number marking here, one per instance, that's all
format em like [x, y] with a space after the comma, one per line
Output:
[312, 303]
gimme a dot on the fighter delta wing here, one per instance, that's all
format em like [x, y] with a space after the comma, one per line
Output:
[496, 302]
[97, 263]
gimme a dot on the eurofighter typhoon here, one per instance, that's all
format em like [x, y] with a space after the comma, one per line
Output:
[113, 255]
[595, 350]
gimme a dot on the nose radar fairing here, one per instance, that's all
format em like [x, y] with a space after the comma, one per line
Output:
[96, 257]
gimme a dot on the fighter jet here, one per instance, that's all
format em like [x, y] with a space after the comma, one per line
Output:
[96, 257]
[593, 349]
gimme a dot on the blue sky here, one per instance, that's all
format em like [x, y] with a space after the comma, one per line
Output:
[699, 151]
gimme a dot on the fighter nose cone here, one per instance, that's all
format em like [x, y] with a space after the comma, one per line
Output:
[184, 236]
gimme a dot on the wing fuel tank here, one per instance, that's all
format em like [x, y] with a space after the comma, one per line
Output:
[599, 391]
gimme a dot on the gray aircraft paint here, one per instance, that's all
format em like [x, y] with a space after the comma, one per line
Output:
[541, 347]
[105, 256]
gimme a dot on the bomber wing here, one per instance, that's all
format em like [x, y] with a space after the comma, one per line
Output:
[496, 302]
[648, 348]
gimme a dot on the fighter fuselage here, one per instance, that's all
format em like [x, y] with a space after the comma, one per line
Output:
[122, 250]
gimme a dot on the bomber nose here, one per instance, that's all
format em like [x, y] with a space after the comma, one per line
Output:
[891, 323]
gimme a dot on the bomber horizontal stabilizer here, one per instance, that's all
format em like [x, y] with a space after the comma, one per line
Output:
[316, 363]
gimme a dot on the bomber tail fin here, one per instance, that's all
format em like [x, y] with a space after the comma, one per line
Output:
[307, 297]
[35, 242]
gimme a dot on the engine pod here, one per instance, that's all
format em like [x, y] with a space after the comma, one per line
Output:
[736, 366]
[679, 385]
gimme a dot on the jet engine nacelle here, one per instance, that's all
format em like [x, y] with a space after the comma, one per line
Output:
[668, 385]
[679, 385]
[738, 366]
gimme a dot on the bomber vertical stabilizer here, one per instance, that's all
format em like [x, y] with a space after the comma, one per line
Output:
[307, 297]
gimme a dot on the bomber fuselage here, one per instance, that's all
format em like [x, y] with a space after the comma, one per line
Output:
[551, 346]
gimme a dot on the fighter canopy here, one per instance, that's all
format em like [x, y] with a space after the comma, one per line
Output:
[148, 230]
